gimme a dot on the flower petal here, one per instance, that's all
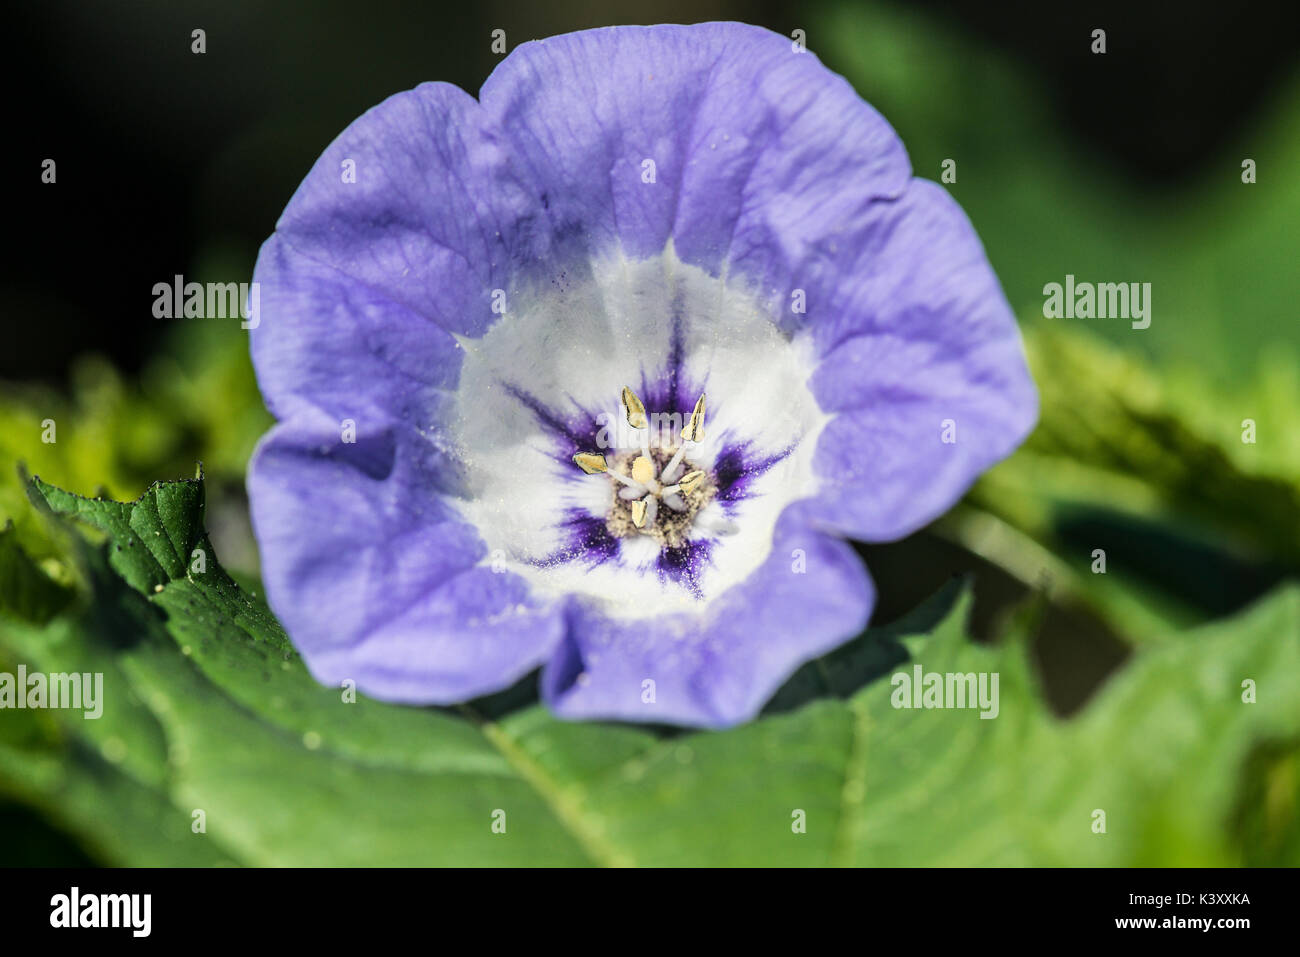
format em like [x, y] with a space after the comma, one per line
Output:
[328, 342]
[924, 365]
[415, 204]
[810, 595]
[376, 578]
[759, 151]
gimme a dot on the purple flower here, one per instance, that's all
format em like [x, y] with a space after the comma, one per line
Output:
[594, 373]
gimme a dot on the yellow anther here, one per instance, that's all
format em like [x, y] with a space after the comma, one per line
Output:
[643, 470]
[635, 410]
[638, 513]
[691, 480]
[694, 431]
[590, 462]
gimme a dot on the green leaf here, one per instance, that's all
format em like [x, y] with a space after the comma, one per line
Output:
[26, 591]
[1159, 750]
[152, 537]
[226, 720]
[1193, 521]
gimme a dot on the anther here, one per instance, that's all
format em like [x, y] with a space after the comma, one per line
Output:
[591, 462]
[691, 480]
[635, 410]
[694, 431]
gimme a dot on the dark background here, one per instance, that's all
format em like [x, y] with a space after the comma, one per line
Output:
[162, 153]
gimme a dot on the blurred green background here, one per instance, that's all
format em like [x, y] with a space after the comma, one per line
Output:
[1122, 167]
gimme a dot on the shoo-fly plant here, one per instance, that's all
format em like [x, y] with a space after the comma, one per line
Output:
[599, 372]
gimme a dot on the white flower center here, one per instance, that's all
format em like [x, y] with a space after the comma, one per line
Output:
[673, 518]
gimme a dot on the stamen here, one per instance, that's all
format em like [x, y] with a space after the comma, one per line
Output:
[670, 470]
[636, 418]
[689, 483]
[635, 410]
[591, 462]
[694, 431]
[691, 480]
[630, 483]
[647, 485]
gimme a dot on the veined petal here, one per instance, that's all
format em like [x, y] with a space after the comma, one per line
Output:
[925, 370]
[376, 578]
[759, 152]
[807, 597]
